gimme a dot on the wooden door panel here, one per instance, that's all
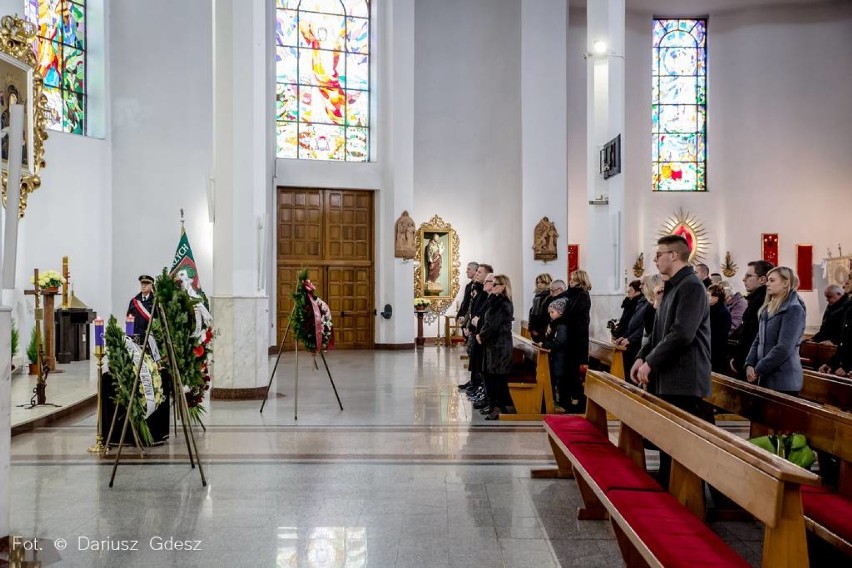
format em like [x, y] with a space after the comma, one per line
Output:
[330, 231]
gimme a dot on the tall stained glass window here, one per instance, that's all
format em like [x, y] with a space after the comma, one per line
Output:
[679, 105]
[60, 48]
[322, 89]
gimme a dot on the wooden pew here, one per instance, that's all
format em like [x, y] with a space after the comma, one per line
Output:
[529, 381]
[827, 430]
[828, 390]
[814, 355]
[613, 482]
[609, 354]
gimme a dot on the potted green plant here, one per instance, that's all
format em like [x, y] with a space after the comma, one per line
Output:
[14, 341]
[32, 353]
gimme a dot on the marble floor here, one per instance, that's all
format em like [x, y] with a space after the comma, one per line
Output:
[406, 475]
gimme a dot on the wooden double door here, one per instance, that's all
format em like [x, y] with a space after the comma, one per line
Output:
[329, 232]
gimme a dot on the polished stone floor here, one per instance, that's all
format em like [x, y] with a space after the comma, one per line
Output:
[406, 475]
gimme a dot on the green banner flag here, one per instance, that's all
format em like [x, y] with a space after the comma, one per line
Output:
[183, 265]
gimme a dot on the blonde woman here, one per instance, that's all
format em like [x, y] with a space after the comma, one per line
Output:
[495, 336]
[576, 316]
[773, 361]
[538, 312]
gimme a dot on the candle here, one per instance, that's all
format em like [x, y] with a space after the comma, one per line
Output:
[129, 325]
[99, 332]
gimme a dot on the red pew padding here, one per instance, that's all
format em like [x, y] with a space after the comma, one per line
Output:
[570, 428]
[611, 468]
[829, 509]
[673, 534]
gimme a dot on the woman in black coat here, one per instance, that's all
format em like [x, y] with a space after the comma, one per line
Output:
[632, 338]
[495, 337]
[538, 320]
[720, 326]
[577, 317]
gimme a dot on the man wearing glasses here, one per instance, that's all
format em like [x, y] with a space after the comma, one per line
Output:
[755, 285]
[675, 363]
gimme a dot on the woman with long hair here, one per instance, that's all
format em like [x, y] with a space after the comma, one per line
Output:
[495, 336]
[537, 323]
[577, 316]
[773, 361]
[720, 325]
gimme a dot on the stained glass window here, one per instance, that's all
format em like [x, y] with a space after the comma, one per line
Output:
[60, 49]
[322, 91]
[679, 105]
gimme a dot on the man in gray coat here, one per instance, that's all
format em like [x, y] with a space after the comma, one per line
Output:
[675, 363]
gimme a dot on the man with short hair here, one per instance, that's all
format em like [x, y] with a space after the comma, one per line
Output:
[755, 285]
[716, 278]
[468, 289]
[140, 307]
[675, 363]
[703, 272]
[832, 319]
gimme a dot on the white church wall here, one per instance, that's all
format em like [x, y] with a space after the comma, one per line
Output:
[162, 138]
[779, 129]
[467, 166]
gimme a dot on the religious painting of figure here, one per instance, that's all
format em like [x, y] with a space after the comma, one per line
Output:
[16, 88]
[437, 277]
[436, 264]
[405, 245]
[544, 240]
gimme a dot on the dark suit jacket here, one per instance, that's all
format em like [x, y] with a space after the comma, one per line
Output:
[832, 321]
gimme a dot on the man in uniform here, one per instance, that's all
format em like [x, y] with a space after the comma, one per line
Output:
[141, 305]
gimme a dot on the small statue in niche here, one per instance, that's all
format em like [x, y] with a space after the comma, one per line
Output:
[544, 240]
[404, 245]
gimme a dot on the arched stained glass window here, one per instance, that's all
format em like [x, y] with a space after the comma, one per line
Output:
[322, 88]
[679, 105]
[60, 48]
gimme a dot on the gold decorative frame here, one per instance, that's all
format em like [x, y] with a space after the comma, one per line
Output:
[19, 68]
[689, 227]
[441, 297]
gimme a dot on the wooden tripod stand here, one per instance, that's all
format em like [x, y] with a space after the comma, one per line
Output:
[178, 394]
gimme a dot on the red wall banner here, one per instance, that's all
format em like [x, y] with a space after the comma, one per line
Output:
[769, 242]
[805, 267]
[573, 258]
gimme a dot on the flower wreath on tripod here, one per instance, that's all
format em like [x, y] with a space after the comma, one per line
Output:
[123, 357]
[191, 332]
[311, 317]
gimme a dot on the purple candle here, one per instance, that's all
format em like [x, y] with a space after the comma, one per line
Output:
[129, 325]
[99, 332]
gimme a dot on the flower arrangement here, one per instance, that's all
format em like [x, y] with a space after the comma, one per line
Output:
[123, 358]
[421, 304]
[192, 348]
[48, 279]
[311, 317]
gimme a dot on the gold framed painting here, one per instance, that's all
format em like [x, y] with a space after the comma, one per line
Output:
[436, 276]
[21, 83]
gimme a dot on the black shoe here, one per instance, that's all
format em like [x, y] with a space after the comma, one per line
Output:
[486, 410]
[464, 386]
[480, 405]
[495, 415]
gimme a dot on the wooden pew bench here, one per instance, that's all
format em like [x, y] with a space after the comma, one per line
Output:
[610, 355]
[828, 390]
[529, 381]
[814, 355]
[828, 508]
[654, 527]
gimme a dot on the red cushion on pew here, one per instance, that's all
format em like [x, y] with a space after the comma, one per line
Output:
[611, 468]
[829, 509]
[673, 534]
[562, 424]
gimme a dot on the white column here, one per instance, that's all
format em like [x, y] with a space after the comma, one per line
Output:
[544, 139]
[5, 416]
[603, 256]
[395, 93]
[243, 166]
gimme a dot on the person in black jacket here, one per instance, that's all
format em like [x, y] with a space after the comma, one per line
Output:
[841, 363]
[720, 325]
[632, 338]
[832, 319]
[468, 290]
[577, 316]
[675, 363]
[140, 307]
[628, 307]
[538, 319]
[755, 285]
[495, 337]
[477, 306]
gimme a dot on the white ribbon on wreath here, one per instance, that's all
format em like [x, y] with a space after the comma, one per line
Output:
[145, 378]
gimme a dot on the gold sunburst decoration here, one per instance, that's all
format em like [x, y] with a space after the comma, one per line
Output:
[690, 228]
